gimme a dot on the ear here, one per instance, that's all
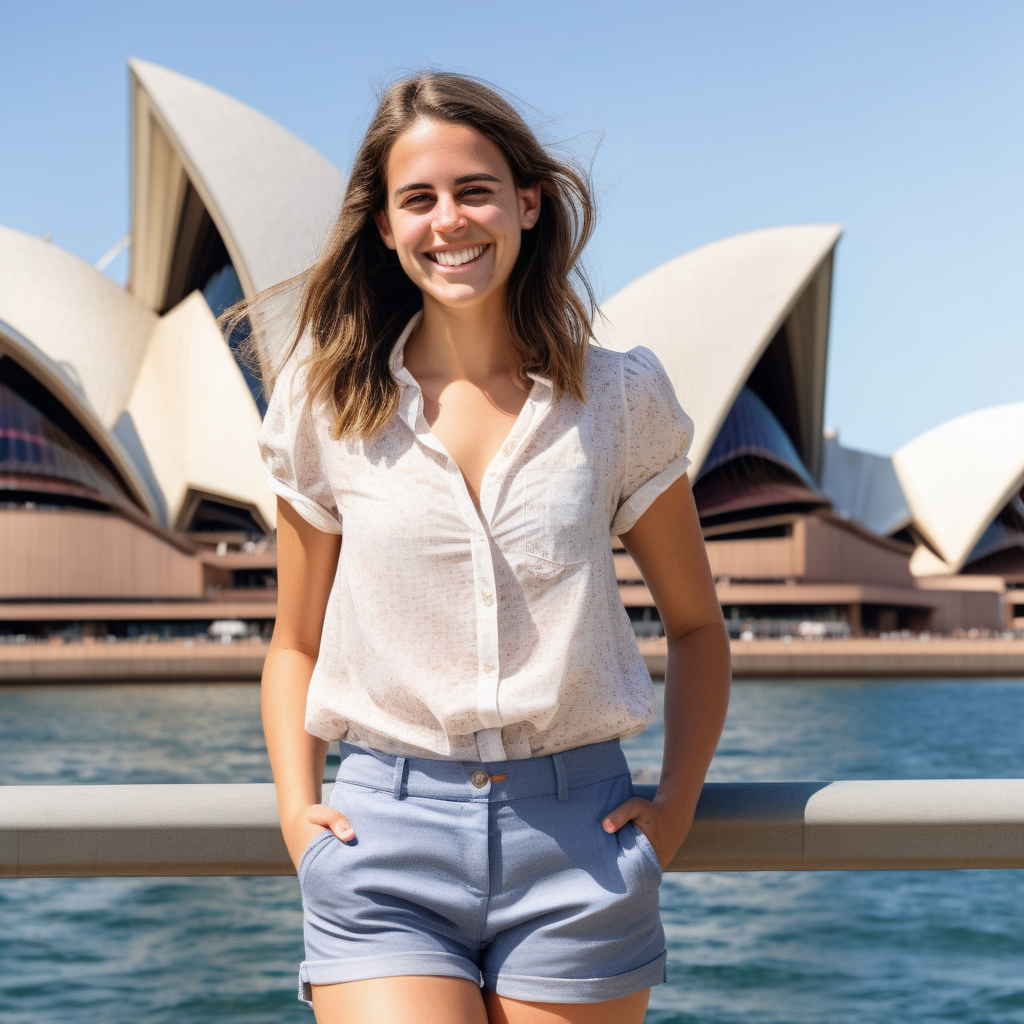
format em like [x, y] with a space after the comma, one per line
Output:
[529, 206]
[384, 227]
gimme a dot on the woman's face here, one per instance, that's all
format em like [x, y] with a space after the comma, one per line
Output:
[454, 214]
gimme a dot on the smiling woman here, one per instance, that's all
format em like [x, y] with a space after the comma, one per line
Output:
[482, 857]
[458, 237]
[361, 292]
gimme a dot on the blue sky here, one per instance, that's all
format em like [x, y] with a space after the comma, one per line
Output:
[903, 121]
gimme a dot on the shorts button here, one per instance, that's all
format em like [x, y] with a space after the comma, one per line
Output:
[479, 779]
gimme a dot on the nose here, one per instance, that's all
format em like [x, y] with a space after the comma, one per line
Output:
[447, 215]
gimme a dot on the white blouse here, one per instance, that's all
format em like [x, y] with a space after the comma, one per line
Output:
[486, 633]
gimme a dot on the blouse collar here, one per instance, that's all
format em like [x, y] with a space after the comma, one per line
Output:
[410, 408]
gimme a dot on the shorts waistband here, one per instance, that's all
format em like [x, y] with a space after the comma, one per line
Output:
[491, 781]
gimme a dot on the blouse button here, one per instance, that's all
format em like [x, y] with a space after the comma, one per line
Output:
[488, 667]
[509, 449]
[488, 600]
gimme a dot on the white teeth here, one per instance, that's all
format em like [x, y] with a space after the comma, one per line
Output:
[457, 258]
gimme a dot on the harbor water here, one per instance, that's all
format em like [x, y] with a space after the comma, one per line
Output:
[744, 948]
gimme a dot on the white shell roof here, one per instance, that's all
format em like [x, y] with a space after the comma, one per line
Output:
[709, 315]
[163, 396]
[77, 316]
[192, 423]
[79, 334]
[272, 196]
[193, 413]
[957, 477]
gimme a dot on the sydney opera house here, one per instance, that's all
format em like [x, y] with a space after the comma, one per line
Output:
[132, 498]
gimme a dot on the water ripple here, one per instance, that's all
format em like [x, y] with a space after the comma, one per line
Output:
[744, 948]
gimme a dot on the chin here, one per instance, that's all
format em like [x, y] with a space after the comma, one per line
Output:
[454, 293]
[456, 299]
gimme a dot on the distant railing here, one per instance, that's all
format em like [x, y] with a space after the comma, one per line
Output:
[164, 830]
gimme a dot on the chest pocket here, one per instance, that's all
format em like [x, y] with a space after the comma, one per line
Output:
[559, 516]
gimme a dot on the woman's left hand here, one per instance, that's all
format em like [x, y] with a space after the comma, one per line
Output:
[664, 826]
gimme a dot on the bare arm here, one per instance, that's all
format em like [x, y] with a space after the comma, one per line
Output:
[667, 545]
[306, 562]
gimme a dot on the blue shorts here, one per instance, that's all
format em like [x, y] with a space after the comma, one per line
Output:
[498, 872]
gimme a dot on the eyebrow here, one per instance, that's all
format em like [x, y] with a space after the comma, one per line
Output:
[462, 180]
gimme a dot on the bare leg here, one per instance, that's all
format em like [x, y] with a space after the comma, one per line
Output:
[408, 999]
[627, 1010]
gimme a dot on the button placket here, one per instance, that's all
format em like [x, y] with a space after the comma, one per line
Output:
[487, 643]
[489, 741]
[489, 744]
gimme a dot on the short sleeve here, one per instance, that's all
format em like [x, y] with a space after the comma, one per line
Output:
[658, 436]
[292, 453]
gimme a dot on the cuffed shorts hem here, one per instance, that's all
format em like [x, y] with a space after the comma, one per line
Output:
[578, 990]
[362, 968]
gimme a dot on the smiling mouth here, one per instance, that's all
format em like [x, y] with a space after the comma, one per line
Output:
[458, 257]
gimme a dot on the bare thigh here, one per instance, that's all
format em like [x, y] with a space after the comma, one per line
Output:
[427, 999]
[407, 999]
[627, 1010]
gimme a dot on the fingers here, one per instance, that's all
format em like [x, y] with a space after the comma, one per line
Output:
[623, 813]
[330, 818]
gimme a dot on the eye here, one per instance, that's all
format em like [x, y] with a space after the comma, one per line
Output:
[418, 199]
[475, 191]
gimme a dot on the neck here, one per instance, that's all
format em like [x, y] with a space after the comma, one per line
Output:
[472, 343]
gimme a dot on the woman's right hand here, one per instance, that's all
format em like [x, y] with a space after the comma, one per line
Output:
[309, 823]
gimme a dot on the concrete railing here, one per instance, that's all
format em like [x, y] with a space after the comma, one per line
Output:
[767, 826]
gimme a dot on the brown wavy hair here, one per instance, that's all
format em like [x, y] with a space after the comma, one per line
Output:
[356, 298]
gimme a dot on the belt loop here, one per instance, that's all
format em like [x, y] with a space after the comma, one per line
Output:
[561, 776]
[399, 777]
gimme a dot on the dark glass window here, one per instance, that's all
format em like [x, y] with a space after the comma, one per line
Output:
[39, 458]
[201, 262]
[222, 291]
[753, 467]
